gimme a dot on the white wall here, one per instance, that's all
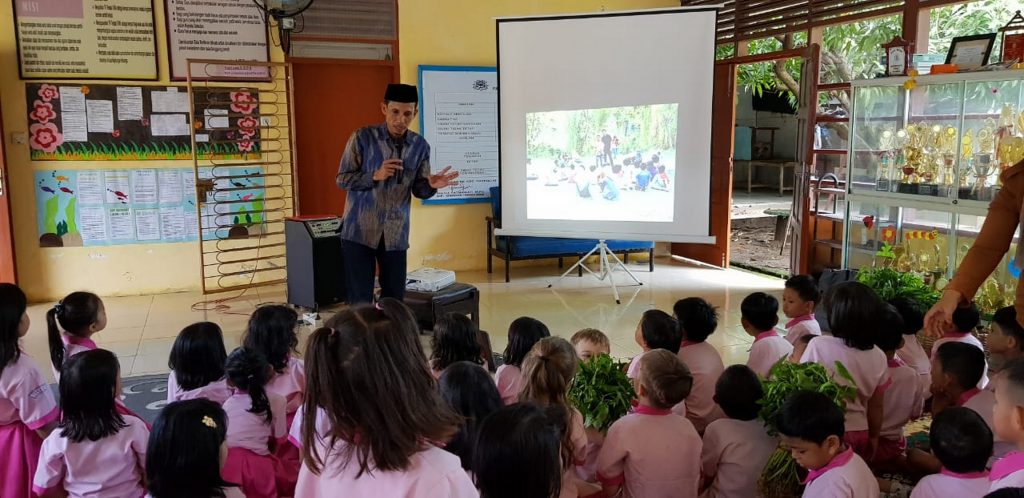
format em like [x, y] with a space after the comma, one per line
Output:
[785, 136]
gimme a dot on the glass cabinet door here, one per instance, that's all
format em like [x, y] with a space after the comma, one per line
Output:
[926, 148]
[988, 144]
[878, 112]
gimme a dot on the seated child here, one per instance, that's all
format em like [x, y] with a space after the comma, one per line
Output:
[955, 372]
[965, 320]
[197, 364]
[963, 443]
[812, 428]
[760, 314]
[590, 343]
[1005, 341]
[455, 339]
[736, 448]
[912, 353]
[799, 298]
[800, 347]
[1009, 420]
[656, 330]
[652, 451]
[523, 333]
[698, 320]
[901, 401]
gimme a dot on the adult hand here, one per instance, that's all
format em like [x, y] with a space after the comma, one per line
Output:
[387, 169]
[443, 179]
[939, 319]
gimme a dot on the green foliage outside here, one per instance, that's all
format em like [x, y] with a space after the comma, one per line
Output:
[643, 128]
[601, 391]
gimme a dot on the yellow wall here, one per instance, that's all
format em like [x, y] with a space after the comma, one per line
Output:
[47, 274]
[461, 32]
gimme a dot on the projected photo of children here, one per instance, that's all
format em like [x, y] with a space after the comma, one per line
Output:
[614, 164]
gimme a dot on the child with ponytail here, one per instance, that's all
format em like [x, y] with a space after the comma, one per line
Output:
[80, 315]
[256, 426]
[187, 450]
[28, 411]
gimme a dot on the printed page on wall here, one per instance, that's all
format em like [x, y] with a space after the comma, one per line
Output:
[222, 30]
[105, 39]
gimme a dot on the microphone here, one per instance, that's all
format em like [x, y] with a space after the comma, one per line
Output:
[398, 152]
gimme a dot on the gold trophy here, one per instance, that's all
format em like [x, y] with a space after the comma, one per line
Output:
[947, 156]
[966, 156]
[886, 145]
[984, 162]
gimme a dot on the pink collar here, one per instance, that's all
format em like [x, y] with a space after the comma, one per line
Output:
[1009, 464]
[79, 341]
[955, 335]
[969, 475]
[648, 410]
[766, 334]
[896, 363]
[686, 344]
[836, 462]
[966, 396]
[809, 316]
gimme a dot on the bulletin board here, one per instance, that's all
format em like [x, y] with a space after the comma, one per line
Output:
[100, 207]
[231, 30]
[459, 119]
[101, 122]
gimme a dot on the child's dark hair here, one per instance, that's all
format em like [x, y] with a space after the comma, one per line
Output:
[961, 440]
[523, 333]
[738, 391]
[911, 312]
[547, 373]
[964, 362]
[271, 331]
[486, 351]
[810, 416]
[665, 377]
[75, 313]
[87, 384]
[660, 331]
[1006, 493]
[471, 392]
[854, 312]
[248, 371]
[183, 455]
[367, 373]
[13, 304]
[697, 318]
[454, 340]
[760, 310]
[805, 287]
[890, 331]
[518, 452]
[198, 355]
[1006, 318]
[966, 318]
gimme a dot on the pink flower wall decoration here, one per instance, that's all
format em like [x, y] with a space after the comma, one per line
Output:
[48, 93]
[45, 137]
[243, 102]
[42, 111]
[245, 145]
[247, 126]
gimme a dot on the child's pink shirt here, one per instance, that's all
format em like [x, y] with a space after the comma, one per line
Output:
[25, 396]
[801, 326]
[846, 476]
[982, 401]
[634, 366]
[1008, 472]
[765, 353]
[432, 473]
[735, 452]
[653, 453]
[290, 384]
[966, 338]
[870, 371]
[578, 436]
[323, 426]
[251, 431]
[913, 354]
[72, 346]
[509, 379]
[950, 484]
[706, 366]
[902, 400]
[216, 391]
[113, 466]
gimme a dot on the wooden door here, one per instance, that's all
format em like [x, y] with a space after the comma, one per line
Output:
[8, 270]
[333, 98]
[799, 219]
[722, 135]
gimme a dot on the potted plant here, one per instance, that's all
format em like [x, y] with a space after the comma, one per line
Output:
[889, 283]
[780, 477]
[601, 392]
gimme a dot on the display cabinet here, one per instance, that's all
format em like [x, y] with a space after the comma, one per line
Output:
[925, 155]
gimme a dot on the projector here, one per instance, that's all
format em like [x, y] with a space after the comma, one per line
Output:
[429, 279]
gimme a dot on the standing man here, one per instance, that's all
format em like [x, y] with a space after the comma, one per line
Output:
[382, 165]
[606, 141]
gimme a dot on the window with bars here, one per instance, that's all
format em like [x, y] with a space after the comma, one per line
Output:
[363, 19]
[741, 20]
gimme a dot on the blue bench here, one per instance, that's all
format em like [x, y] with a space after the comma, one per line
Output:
[519, 248]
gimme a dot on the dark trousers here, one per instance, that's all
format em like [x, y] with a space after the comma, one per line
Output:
[360, 262]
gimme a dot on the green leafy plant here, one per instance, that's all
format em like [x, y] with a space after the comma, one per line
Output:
[779, 477]
[889, 283]
[601, 392]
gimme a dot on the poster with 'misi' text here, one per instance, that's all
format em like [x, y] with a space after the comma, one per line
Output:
[222, 30]
[108, 39]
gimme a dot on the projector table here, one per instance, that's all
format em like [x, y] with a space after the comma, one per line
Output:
[431, 306]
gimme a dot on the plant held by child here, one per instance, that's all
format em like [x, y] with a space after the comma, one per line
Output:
[601, 392]
[889, 284]
[779, 477]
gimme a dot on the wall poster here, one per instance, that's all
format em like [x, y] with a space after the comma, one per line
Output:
[224, 30]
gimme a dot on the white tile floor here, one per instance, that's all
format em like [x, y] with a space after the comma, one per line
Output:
[141, 329]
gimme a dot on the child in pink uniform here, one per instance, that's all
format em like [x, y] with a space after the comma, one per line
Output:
[81, 315]
[518, 452]
[95, 451]
[965, 319]
[470, 391]
[197, 364]
[902, 402]
[547, 372]
[590, 343]
[736, 448]
[912, 353]
[854, 315]
[186, 451]
[760, 314]
[369, 376]
[698, 320]
[523, 333]
[656, 330]
[963, 443]
[28, 411]
[811, 427]
[454, 340]
[955, 372]
[1005, 341]
[256, 426]
[653, 452]
[800, 347]
[1008, 415]
[799, 298]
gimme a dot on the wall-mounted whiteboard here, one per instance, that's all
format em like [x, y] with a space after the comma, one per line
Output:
[459, 118]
